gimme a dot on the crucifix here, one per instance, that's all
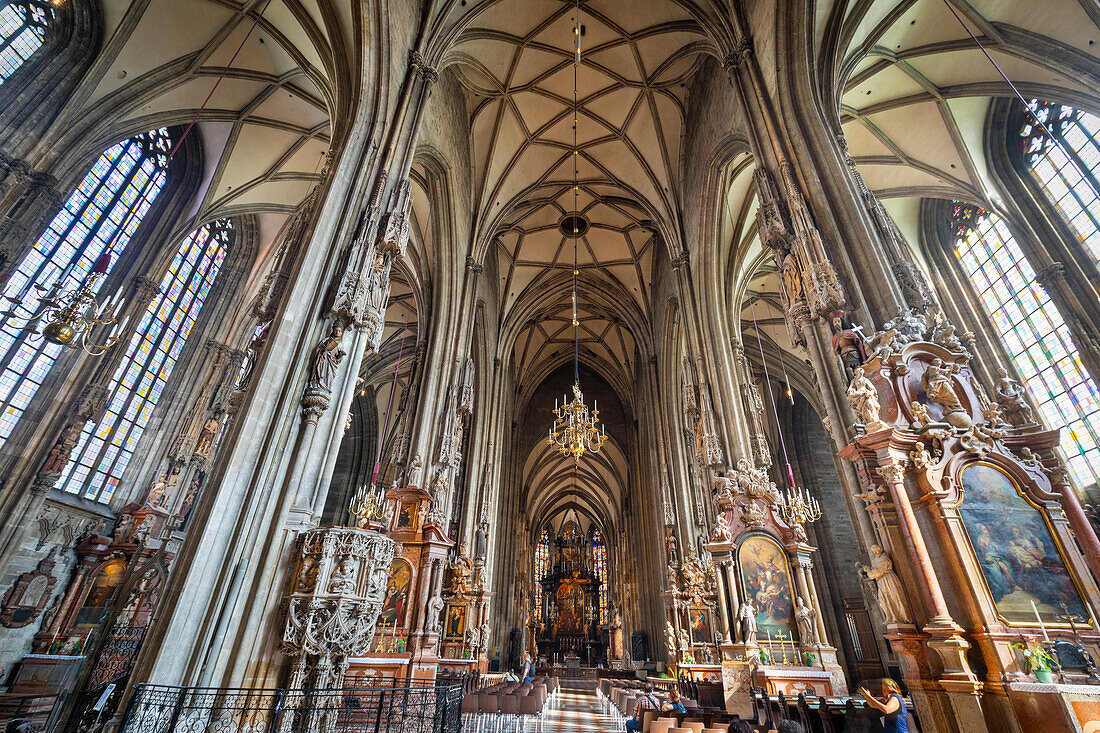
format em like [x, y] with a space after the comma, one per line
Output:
[782, 636]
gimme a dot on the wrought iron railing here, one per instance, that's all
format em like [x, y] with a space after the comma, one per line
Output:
[416, 708]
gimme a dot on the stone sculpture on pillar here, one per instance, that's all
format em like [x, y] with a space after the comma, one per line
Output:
[746, 617]
[848, 344]
[864, 399]
[888, 589]
[804, 616]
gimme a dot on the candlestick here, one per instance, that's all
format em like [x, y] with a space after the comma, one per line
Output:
[1046, 637]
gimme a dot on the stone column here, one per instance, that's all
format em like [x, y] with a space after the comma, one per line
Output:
[30, 200]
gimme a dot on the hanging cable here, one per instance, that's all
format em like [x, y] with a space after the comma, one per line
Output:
[771, 394]
[389, 404]
[576, 210]
[1027, 104]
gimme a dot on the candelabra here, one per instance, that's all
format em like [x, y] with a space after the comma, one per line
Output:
[574, 431]
[71, 315]
[796, 506]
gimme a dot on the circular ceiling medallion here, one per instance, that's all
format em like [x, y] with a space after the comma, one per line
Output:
[571, 222]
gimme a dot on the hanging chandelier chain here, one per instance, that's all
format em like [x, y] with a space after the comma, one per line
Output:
[575, 430]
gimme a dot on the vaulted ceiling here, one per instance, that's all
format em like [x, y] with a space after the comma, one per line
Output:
[269, 123]
[914, 89]
[515, 57]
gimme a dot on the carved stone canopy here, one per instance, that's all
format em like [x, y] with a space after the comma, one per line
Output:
[28, 596]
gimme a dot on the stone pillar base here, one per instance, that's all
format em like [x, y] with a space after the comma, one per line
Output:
[736, 684]
[1055, 708]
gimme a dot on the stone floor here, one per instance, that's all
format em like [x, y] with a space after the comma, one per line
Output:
[576, 710]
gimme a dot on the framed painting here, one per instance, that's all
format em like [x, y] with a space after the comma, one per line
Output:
[406, 516]
[456, 622]
[702, 632]
[396, 606]
[1020, 560]
[766, 578]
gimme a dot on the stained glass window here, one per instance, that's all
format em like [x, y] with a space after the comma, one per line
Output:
[542, 566]
[1063, 154]
[125, 180]
[1034, 334]
[105, 448]
[599, 563]
[22, 32]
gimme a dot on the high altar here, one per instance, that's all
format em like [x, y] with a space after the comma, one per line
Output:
[570, 593]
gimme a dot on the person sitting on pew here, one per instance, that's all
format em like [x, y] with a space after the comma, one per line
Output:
[645, 701]
[674, 704]
[790, 726]
[741, 726]
[896, 718]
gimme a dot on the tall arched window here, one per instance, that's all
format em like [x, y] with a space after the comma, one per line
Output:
[23, 26]
[105, 449]
[1034, 334]
[1066, 163]
[599, 565]
[542, 566]
[126, 178]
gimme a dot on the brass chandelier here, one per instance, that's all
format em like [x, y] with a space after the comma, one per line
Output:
[71, 315]
[574, 431]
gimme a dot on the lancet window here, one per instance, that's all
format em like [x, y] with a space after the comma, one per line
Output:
[542, 567]
[101, 215]
[105, 448]
[1063, 154]
[599, 565]
[22, 32]
[1034, 333]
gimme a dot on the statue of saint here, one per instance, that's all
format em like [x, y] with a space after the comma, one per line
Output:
[1010, 397]
[461, 570]
[746, 616]
[863, 397]
[326, 358]
[804, 617]
[485, 631]
[435, 614]
[937, 384]
[670, 640]
[156, 494]
[848, 345]
[343, 578]
[206, 437]
[888, 589]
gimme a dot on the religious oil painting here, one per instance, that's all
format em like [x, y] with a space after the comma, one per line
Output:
[395, 607]
[767, 580]
[699, 623]
[1015, 550]
[406, 518]
[456, 621]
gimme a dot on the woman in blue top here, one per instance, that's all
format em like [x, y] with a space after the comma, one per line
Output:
[896, 718]
[674, 705]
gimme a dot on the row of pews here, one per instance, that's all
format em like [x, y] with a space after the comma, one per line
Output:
[820, 714]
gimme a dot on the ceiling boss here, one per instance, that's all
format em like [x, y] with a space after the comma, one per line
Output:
[575, 429]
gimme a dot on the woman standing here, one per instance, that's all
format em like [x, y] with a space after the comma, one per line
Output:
[892, 705]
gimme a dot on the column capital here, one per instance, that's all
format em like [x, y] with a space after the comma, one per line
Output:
[742, 48]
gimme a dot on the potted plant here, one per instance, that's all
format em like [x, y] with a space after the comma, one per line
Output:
[765, 656]
[1040, 662]
[809, 659]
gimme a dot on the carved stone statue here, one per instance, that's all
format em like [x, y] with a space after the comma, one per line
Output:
[206, 437]
[486, 629]
[156, 493]
[616, 635]
[435, 617]
[58, 456]
[746, 617]
[473, 638]
[326, 359]
[863, 397]
[937, 384]
[888, 589]
[921, 417]
[685, 641]
[343, 578]
[849, 345]
[722, 530]
[804, 615]
[670, 640]
[416, 471]
[461, 570]
[1011, 399]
